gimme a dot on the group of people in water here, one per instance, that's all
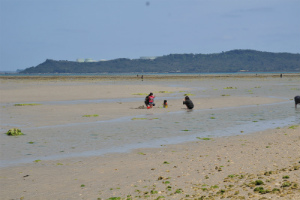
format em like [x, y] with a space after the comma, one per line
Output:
[149, 102]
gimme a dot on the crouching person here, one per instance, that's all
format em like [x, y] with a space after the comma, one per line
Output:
[189, 104]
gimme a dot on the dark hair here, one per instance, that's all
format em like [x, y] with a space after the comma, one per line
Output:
[151, 93]
[187, 97]
[165, 101]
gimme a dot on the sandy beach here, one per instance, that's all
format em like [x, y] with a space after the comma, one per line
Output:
[67, 113]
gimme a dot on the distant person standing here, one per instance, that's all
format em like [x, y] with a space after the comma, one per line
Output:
[142, 77]
[189, 104]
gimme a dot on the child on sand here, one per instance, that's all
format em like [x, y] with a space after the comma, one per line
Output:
[165, 104]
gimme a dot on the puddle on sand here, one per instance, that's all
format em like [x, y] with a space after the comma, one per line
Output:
[124, 134]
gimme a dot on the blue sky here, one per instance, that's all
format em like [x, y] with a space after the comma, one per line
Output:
[32, 31]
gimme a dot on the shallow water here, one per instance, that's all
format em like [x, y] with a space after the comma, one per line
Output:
[127, 133]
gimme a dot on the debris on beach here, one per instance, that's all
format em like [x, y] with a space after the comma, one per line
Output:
[14, 132]
[141, 107]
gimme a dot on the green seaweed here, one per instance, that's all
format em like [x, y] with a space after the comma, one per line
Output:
[228, 88]
[259, 182]
[203, 138]
[276, 190]
[178, 191]
[27, 104]
[286, 184]
[135, 118]
[188, 94]
[95, 115]
[261, 190]
[14, 132]
[154, 192]
[164, 92]
[293, 127]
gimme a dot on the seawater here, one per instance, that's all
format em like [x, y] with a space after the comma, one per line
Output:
[145, 131]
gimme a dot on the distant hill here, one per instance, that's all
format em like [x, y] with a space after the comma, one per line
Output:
[230, 61]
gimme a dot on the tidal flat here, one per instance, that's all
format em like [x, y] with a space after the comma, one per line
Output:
[58, 130]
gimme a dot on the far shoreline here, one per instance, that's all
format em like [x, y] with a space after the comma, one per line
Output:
[146, 76]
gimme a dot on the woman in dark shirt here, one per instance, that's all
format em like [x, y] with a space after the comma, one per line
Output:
[189, 104]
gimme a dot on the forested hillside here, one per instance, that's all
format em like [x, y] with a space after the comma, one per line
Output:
[230, 61]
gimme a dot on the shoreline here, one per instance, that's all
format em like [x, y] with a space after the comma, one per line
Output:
[147, 76]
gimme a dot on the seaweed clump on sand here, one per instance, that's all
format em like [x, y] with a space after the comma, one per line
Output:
[14, 132]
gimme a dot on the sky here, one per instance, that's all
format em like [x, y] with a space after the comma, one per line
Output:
[32, 31]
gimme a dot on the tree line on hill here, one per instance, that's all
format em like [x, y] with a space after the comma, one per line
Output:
[230, 61]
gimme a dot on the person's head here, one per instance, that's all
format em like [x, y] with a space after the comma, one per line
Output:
[151, 93]
[187, 97]
[165, 101]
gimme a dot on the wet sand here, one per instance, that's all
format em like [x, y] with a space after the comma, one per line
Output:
[219, 168]
[225, 167]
